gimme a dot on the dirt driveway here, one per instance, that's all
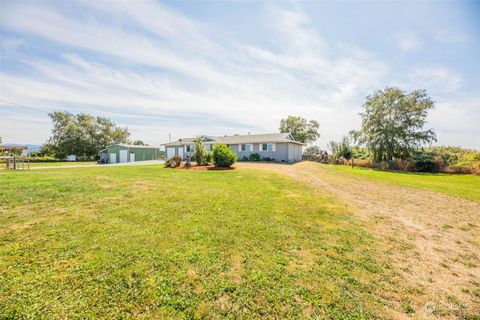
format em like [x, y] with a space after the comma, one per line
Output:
[431, 240]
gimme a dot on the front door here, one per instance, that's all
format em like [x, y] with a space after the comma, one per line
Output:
[132, 157]
[180, 152]
[113, 158]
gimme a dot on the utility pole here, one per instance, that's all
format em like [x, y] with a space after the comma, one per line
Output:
[169, 137]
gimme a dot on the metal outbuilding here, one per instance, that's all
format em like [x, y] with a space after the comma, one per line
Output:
[121, 153]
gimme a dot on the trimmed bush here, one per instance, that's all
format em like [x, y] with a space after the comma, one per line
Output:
[223, 156]
[254, 157]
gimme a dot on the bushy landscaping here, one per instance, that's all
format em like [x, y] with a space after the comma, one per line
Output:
[149, 242]
[434, 159]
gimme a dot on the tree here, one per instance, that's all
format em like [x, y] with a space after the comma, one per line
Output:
[302, 130]
[393, 123]
[199, 152]
[47, 150]
[83, 135]
[311, 150]
[341, 149]
[139, 143]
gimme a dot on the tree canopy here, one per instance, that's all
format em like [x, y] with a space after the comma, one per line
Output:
[83, 135]
[393, 123]
[301, 129]
[139, 143]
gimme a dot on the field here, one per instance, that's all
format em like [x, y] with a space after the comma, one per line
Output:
[462, 185]
[150, 242]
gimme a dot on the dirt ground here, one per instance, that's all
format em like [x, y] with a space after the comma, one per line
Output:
[431, 240]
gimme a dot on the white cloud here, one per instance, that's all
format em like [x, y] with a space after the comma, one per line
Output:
[457, 121]
[409, 41]
[435, 79]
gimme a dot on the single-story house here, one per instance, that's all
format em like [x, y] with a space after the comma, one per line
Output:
[276, 146]
[120, 153]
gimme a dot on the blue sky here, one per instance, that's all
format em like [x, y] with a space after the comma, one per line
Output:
[189, 68]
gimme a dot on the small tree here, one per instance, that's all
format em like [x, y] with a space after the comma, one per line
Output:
[223, 156]
[199, 152]
[341, 149]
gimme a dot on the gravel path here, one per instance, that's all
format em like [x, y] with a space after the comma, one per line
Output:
[431, 240]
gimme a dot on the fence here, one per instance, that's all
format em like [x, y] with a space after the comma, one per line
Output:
[16, 163]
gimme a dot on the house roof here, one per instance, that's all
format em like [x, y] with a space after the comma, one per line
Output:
[249, 138]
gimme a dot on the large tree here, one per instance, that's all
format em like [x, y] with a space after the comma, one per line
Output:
[301, 129]
[393, 123]
[83, 135]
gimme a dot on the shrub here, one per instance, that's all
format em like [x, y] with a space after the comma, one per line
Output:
[223, 156]
[43, 159]
[254, 157]
[267, 159]
[244, 158]
[209, 157]
[425, 162]
[173, 162]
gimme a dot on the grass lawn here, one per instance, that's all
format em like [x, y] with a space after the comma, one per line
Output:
[54, 164]
[61, 163]
[153, 242]
[462, 185]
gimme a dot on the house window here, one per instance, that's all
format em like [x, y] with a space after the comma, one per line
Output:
[267, 147]
[190, 148]
[246, 147]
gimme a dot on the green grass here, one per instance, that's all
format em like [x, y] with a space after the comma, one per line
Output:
[465, 186]
[162, 243]
[54, 164]
[61, 163]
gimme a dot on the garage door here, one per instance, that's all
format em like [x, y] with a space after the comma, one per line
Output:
[123, 156]
[170, 153]
[113, 158]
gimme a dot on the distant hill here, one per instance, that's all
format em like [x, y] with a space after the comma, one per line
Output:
[30, 147]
